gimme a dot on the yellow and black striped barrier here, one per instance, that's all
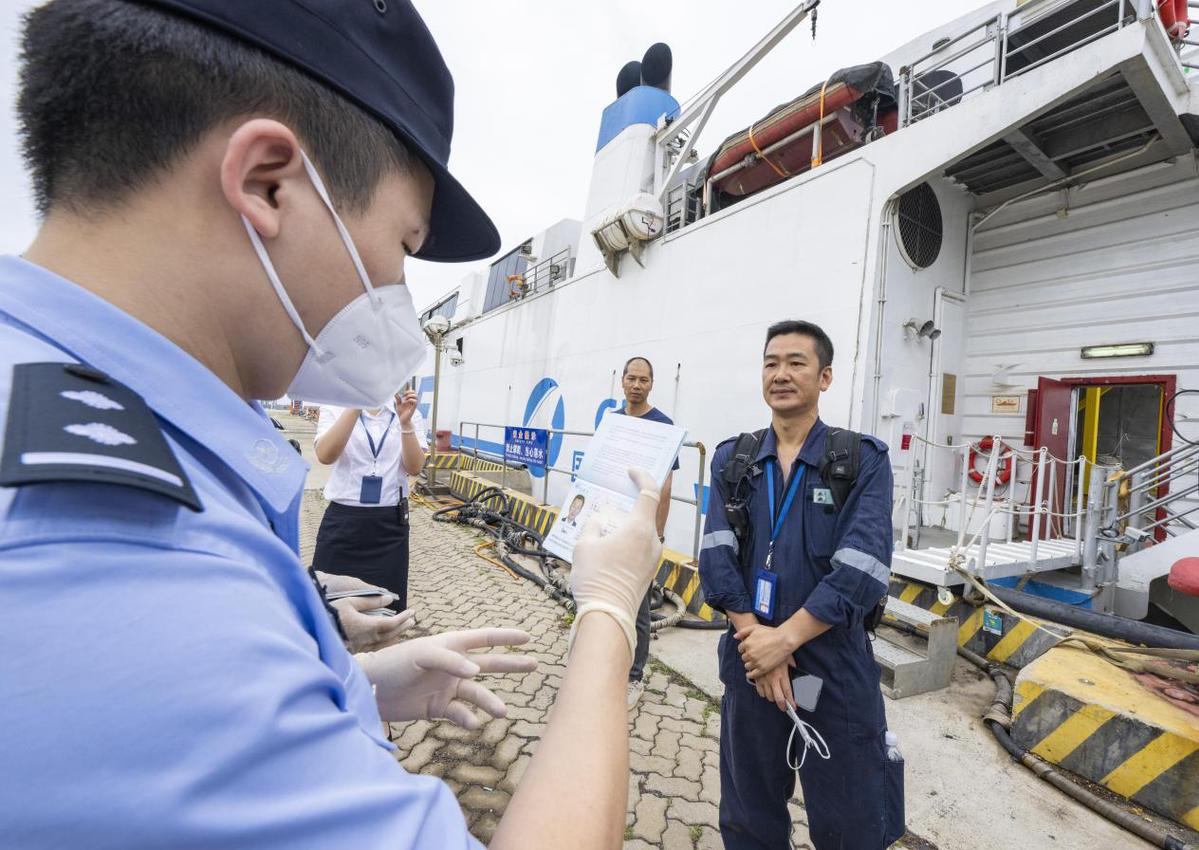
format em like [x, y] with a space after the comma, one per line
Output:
[676, 571]
[1077, 711]
[456, 460]
[987, 630]
[1112, 727]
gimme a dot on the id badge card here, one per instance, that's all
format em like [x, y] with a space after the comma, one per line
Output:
[372, 489]
[765, 587]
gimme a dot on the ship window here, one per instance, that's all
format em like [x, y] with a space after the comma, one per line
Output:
[919, 230]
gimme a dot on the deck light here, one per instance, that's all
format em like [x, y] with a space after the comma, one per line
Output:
[1127, 349]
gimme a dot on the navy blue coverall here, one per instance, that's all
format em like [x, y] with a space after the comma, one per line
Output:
[836, 564]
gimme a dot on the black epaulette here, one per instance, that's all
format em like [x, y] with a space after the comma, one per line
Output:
[70, 422]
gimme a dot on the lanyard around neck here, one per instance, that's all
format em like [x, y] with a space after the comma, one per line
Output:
[776, 520]
[371, 440]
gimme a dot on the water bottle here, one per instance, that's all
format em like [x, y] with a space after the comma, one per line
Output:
[892, 743]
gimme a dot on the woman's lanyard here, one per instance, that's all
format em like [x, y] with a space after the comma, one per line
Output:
[371, 440]
[776, 520]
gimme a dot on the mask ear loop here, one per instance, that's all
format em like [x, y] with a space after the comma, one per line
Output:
[341, 229]
[273, 276]
[811, 737]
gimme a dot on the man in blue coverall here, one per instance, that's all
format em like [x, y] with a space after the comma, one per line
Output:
[229, 191]
[797, 590]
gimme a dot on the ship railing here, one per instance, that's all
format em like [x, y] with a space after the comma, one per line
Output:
[543, 275]
[990, 53]
[682, 206]
[1162, 493]
[1047, 513]
[697, 503]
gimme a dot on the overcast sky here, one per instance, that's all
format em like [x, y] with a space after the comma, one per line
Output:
[533, 77]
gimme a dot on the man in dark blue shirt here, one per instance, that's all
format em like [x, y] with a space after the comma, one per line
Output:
[797, 585]
[637, 380]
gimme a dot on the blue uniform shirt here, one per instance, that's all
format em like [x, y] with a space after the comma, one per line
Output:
[170, 677]
[835, 563]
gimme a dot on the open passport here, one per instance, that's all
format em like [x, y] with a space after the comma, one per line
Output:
[602, 484]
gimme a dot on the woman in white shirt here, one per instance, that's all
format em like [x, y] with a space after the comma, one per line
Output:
[364, 532]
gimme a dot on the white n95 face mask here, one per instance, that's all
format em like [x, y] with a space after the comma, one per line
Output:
[365, 350]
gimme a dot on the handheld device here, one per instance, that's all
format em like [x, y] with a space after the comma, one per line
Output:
[806, 690]
[345, 594]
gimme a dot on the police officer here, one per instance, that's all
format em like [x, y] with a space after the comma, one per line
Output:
[798, 583]
[229, 191]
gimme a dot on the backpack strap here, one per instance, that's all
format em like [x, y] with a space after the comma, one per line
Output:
[744, 452]
[841, 462]
[733, 478]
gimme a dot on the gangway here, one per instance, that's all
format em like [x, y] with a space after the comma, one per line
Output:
[1129, 528]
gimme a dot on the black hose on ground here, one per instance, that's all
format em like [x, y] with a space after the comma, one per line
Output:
[997, 719]
[1105, 625]
[512, 534]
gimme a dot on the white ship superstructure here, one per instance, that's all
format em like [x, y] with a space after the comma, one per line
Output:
[999, 230]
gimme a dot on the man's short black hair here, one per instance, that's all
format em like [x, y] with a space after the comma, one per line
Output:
[633, 360]
[824, 345]
[113, 93]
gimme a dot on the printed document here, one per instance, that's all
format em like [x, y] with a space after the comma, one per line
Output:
[603, 484]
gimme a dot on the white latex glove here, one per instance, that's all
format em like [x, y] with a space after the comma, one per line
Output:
[429, 678]
[367, 632]
[615, 559]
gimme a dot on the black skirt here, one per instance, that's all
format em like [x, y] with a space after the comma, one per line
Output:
[370, 543]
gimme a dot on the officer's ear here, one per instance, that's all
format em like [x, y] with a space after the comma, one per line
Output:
[262, 159]
[826, 378]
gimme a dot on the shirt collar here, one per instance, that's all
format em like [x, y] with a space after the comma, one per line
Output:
[813, 447]
[176, 386]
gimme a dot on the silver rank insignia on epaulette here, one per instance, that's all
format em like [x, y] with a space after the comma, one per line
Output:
[70, 422]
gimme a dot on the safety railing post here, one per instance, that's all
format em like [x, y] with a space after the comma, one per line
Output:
[1034, 530]
[984, 538]
[1076, 515]
[476, 439]
[1090, 533]
[962, 506]
[1136, 506]
[545, 486]
[909, 499]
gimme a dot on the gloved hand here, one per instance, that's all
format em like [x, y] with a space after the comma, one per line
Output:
[429, 678]
[367, 632]
[614, 561]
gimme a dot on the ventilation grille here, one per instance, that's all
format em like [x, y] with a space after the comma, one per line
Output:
[920, 226]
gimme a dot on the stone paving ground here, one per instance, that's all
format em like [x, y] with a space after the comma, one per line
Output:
[674, 731]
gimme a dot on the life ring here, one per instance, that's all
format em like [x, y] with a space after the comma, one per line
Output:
[983, 448]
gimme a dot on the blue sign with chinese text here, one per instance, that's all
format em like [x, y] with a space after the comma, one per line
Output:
[529, 446]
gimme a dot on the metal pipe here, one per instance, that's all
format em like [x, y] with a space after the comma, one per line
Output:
[1158, 503]
[1090, 551]
[881, 305]
[783, 142]
[909, 497]
[1136, 503]
[436, 395]
[1173, 518]
[1170, 473]
[699, 500]
[984, 537]
[1187, 448]
[1078, 501]
[1036, 516]
[1094, 37]
[1046, 525]
[985, 25]
[962, 508]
